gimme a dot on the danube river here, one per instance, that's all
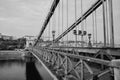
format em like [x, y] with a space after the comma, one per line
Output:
[22, 69]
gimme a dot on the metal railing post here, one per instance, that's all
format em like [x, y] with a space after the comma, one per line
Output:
[116, 70]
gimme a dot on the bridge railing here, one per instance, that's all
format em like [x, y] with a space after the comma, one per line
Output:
[77, 67]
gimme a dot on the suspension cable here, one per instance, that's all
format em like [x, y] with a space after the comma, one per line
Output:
[93, 20]
[54, 20]
[62, 16]
[67, 18]
[85, 29]
[111, 24]
[85, 15]
[104, 23]
[49, 30]
[106, 9]
[58, 18]
[52, 9]
[82, 24]
[75, 20]
[96, 27]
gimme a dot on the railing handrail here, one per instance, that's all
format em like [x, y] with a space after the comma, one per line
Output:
[89, 59]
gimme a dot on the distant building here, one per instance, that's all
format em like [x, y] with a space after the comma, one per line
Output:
[6, 37]
[30, 40]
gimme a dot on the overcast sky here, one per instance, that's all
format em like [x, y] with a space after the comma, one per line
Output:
[25, 17]
[22, 17]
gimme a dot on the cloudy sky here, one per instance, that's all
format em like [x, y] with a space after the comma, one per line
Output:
[25, 17]
[22, 17]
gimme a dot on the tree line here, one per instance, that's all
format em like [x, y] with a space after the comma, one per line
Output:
[12, 44]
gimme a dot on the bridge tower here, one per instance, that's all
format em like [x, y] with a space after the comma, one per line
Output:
[30, 40]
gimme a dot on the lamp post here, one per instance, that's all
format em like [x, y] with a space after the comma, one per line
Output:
[89, 43]
[81, 33]
[53, 34]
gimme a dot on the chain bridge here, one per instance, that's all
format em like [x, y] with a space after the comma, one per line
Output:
[78, 41]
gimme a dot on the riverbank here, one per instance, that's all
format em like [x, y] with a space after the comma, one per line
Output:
[12, 54]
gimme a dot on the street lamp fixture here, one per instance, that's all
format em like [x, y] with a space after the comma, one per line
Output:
[89, 43]
[53, 34]
[81, 33]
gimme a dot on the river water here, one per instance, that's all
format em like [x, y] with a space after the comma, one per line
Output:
[22, 69]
